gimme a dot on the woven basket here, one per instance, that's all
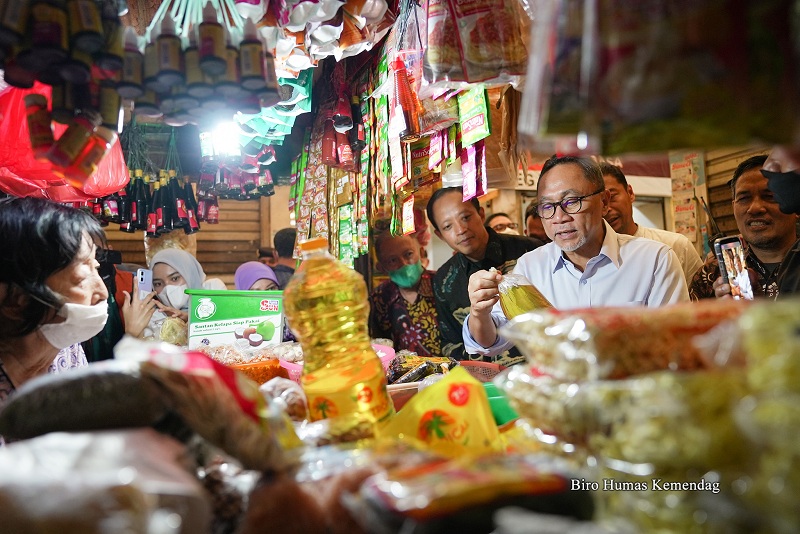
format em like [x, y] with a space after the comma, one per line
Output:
[483, 371]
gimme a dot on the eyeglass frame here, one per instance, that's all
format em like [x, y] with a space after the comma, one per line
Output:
[511, 225]
[560, 204]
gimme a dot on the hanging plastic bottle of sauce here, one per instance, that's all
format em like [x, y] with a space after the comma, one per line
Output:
[40, 128]
[85, 27]
[170, 70]
[196, 84]
[66, 150]
[130, 86]
[211, 43]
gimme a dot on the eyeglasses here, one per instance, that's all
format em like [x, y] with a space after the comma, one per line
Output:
[569, 205]
[502, 226]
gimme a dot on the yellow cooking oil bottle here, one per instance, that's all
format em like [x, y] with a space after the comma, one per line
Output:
[327, 309]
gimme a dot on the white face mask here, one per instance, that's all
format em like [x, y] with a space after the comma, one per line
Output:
[174, 296]
[81, 322]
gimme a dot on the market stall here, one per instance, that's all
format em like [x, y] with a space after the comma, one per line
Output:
[208, 125]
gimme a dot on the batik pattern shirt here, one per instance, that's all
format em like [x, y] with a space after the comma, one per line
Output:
[702, 286]
[412, 326]
[452, 299]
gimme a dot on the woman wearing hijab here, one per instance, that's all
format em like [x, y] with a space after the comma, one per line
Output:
[255, 275]
[174, 271]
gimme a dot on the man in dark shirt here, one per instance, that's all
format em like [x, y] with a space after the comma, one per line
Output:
[284, 245]
[782, 170]
[461, 225]
[768, 234]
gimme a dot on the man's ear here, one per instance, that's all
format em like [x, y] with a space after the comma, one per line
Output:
[482, 213]
[438, 234]
[379, 267]
[631, 193]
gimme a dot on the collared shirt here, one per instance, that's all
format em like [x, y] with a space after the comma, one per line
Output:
[680, 244]
[702, 286]
[628, 271]
[452, 298]
[411, 325]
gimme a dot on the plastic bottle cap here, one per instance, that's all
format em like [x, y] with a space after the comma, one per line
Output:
[250, 33]
[209, 13]
[35, 100]
[398, 64]
[314, 243]
[167, 26]
[131, 39]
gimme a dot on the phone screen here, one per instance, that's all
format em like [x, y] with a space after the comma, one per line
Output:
[735, 268]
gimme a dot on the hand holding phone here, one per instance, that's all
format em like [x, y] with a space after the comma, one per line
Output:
[144, 282]
[733, 268]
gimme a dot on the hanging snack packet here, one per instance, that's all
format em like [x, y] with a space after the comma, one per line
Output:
[490, 37]
[442, 62]
[518, 295]
[473, 112]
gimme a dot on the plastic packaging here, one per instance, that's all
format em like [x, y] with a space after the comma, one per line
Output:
[326, 306]
[590, 344]
[39, 127]
[452, 417]
[518, 295]
[461, 495]
[287, 394]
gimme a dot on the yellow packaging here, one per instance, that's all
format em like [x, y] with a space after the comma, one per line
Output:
[452, 417]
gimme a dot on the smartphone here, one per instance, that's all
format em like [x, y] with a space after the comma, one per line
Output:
[732, 266]
[144, 282]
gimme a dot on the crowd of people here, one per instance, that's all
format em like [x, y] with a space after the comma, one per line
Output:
[591, 253]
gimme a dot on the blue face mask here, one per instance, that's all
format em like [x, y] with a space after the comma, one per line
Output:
[407, 275]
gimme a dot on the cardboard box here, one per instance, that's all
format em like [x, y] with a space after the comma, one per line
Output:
[247, 320]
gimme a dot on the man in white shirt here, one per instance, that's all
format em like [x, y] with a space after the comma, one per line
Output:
[620, 217]
[588, 264]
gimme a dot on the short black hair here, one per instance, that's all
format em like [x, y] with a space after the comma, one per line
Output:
[493, 216]
[442, 192]
[531, 210]
[381, 238]
[590, 169]
[284, 241]
[39, 238]
[612, 170]
[753, 162]
[265, 252]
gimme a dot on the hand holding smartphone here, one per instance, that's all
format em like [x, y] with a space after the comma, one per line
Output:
[144, 282]
[733, 268]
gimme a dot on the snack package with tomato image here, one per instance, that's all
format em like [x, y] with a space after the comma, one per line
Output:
[452, 417]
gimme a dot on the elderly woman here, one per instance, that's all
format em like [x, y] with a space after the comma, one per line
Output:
[51, 295]
[256, 276]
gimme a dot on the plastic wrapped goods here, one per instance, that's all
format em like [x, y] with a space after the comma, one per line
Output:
[104, 395]
[518, 295]
[599, 343]
[97, 482]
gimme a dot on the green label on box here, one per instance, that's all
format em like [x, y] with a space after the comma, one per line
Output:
[245, 320]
